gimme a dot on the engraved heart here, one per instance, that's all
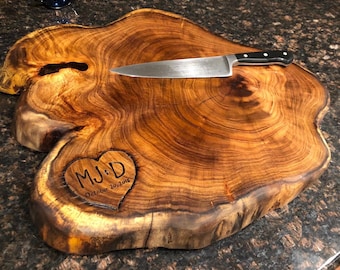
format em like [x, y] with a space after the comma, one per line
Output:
[104, 181]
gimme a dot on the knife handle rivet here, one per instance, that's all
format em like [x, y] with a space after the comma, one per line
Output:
[285, 53]
[245, 55]
[265, 54]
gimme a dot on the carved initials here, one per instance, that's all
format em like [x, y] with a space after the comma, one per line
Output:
[117, 168]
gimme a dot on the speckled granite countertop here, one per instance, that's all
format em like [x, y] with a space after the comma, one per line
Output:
[301, 236]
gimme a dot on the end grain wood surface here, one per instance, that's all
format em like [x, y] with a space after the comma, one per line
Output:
[176, 163]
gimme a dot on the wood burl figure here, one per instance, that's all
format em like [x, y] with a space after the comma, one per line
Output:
[142, 162]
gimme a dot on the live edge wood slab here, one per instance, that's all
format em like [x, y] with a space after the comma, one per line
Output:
[175, 163]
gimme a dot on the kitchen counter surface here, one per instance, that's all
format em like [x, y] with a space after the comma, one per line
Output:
[303, 235]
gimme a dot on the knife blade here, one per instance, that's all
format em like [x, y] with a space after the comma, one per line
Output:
[204, 67]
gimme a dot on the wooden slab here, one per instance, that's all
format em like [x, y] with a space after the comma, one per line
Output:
[175, 163]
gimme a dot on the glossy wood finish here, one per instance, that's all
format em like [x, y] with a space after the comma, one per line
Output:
[175, 163]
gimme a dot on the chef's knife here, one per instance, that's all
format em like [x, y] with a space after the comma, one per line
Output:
[204, 67]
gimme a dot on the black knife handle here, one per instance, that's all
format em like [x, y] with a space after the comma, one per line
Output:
[265, 58]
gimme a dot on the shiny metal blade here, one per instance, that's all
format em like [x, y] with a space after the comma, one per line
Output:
[206, 67]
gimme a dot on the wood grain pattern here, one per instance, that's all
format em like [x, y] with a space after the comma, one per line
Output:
[175, 163]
